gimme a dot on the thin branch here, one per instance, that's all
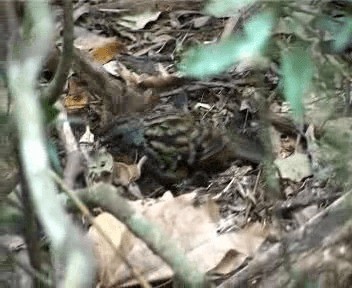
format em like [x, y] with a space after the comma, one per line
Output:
[74, 156]
[118, 98]
[85, 211]
[53, 91]
[108, 198]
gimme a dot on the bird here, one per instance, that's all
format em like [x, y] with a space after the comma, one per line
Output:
[177, 144]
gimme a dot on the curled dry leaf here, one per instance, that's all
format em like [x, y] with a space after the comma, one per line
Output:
[162, 80]
[124, 174]
[131, 78]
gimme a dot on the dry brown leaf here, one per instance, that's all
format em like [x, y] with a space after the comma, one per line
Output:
[193, 229]
[124, 174]
[131, 78]
[77, 97]
[107, 52]
[102, 49]
[105, 255]
[159, 81]
[164, 79]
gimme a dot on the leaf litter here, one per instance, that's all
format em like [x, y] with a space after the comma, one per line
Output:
[220, 226]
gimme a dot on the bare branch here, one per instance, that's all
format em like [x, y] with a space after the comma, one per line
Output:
[108, 197]
[53, 91]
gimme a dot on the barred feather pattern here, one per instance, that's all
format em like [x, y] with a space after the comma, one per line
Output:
[174, 141]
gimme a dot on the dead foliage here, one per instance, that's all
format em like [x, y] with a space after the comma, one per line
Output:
[229, 222]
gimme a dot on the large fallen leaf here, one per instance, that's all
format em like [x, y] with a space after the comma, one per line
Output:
[194, 229]
[121, 240]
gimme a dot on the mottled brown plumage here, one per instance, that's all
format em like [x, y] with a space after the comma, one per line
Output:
[176, 144]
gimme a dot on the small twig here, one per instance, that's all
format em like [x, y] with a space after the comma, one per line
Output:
[73, 155]
[108, 197]
[250, 205]
[282, 207]
[241, 190]
[117, 97]
[53, 91]
[228, 186]
[230, 25]
[85, 211]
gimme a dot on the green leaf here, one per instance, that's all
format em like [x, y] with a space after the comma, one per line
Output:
[298, 72]
[340, 31]
[223, 8]
[213, 59]
[325, 23]
[343, 38]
